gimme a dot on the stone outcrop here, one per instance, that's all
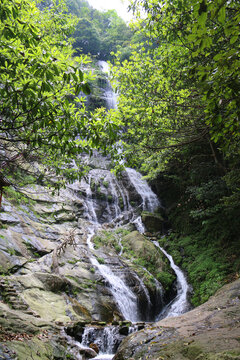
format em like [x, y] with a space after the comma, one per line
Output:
[209, 332]
[153, 222]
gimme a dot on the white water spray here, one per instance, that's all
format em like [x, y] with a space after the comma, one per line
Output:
[179, 304]
[125, 299]
[109, 95]
[150, 200]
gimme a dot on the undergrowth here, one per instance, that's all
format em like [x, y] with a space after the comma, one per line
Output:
[208, 266]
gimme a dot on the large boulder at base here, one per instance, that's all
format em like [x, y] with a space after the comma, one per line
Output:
[209, 332]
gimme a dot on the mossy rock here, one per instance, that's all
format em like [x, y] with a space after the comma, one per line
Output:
[53, 282]
[143, 250]
[38, 349]
[18, 322]
[50, 306]
[80, 310]
[152, 222]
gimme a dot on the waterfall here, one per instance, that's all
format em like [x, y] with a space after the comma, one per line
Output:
[147, 296]
[150, 200]
[89, 205]
[179, 304]
[106, 339]
[125, 299]
[106, 199]
[109, 96]
[159, 296]
[139, 225]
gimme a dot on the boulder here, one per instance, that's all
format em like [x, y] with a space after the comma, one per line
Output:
[142, 249]
[53, 282]
[124, 330]
[50, 306]
[94, 347]
[88, 353]
[152, 222]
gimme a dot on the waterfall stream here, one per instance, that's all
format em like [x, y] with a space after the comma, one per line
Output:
[109, 95]
[179, 304]
[124, 297]
[150, 200]
[108, 200]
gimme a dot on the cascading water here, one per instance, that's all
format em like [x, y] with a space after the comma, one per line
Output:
[110, 190]
[124, 297]
[150, 200]
[106, 339]
[180, 304]
[139, 224]
[159, 296]
[109, 96]
[106, 198]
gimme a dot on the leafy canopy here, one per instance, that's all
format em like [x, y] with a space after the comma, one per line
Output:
[42, 112]
[182, 85]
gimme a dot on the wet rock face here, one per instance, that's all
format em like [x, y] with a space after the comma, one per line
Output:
[52, 281]
[28, 245]
[209, 332]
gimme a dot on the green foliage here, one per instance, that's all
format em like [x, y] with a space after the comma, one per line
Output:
[184, 88]
[12, 252]
[166, 279]
[110, 238]
[87, 39]
[122, 231]
[2, 226]
[206, 264]
[101, 260]
[42, 116]
[92, 270]
[73, 261]
[3, 271]
[105, 184]
[17, 198]
[69, 357]
[98, 33]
